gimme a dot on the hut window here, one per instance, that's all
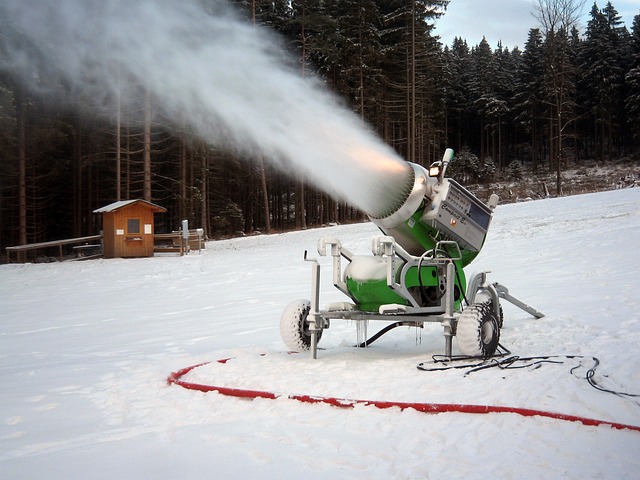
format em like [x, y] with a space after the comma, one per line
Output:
[133, 225]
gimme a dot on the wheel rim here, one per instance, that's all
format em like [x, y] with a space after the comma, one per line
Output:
[487, 332]
[304, 324]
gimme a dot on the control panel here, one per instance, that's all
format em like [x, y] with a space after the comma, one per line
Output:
[458, 214]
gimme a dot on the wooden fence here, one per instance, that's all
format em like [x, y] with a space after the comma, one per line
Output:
[86, 247]
[175, 242]
[22, 251]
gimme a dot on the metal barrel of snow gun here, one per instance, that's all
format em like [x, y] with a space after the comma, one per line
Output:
[437, 209]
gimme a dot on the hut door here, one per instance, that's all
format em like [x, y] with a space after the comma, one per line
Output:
[134, 238]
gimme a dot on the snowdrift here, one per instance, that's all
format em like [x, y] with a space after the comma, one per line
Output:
[86, 348]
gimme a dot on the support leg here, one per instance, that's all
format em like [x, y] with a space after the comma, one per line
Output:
[314, 320]
[479, 281]
[503, 292]
[447, 323]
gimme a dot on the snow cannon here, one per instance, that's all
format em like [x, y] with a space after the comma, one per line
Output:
[415, 273]
[437, 217]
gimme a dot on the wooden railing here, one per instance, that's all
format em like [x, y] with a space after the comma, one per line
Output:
[21, 251]
[175, 242]
[163, 242]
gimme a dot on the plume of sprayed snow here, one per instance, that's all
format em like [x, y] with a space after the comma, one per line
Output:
[226, 78]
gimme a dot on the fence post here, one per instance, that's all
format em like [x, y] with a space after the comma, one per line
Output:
[185, 235]
[200, 234]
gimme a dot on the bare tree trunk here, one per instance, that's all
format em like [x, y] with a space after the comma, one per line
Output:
[609, 137]
[22, 166]
[601, 149]
[265, 198]
[559, 160]
[183, 179]
[494, 155]
[118, 145]
[360, 63]
[146, 192]
[482, 143]
[90, 195]
[77, 183]
[303, 42]
[301, 215]
[499, 160]
[190, 205]
[551, 142]
[248, 210]
[204, 198]
[263, 176]
[556, 17]
[534, 147]
[288, 215]
[128, 167]
[412, 130]
[301, 220]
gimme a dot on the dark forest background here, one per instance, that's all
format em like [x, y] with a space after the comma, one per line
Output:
[563, 99]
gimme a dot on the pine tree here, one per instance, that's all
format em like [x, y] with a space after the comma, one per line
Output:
[457, 80]
[632, 79]
[602, 80]
[503, 104]
[528, 97]
[482, 93]
[356, 74]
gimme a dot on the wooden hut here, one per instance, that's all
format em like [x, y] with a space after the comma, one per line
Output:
[128, 228]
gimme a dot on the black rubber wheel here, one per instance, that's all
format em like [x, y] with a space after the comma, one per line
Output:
[478, 330]
[294, 328]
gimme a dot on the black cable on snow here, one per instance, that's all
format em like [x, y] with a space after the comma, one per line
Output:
[503, 360]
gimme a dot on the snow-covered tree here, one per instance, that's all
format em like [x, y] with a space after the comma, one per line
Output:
[603, 69]
[529, 92]
[457, 82]
[632, 78]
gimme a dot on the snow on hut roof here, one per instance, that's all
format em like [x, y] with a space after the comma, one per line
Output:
[112, 207]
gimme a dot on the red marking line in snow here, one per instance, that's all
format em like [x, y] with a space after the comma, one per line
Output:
[175, 378]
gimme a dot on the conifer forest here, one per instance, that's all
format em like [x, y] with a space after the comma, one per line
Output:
[566, 97]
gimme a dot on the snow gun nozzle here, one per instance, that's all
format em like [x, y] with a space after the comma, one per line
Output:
[436, 209]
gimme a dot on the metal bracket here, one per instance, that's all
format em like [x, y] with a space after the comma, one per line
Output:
[337, 252]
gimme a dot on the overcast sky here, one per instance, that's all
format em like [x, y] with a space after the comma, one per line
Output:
[508, 20]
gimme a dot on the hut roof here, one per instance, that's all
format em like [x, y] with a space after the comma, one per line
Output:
[112, 207]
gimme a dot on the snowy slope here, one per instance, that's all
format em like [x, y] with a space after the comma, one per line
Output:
[86, 348]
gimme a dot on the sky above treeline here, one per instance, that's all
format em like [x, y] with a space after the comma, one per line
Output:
[509, 21]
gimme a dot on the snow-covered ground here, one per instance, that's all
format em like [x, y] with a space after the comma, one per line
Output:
[86, 348]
